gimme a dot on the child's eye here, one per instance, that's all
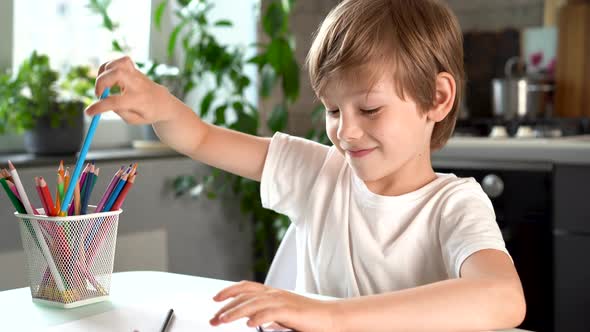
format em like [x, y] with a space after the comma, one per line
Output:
[332, 112]
[371, 111]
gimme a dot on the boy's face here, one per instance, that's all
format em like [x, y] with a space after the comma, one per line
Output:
[381, 136]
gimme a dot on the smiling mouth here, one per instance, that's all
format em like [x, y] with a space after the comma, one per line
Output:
[359, 153]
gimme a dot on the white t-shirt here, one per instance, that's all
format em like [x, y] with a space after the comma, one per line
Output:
[352, 242]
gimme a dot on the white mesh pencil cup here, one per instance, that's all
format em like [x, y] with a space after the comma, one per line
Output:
[69, 259]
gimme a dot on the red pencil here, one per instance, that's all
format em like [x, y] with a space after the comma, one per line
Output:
[47, 196]
[43, 201]
[121, 198]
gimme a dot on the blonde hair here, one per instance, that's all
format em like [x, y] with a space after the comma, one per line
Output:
[417, 38]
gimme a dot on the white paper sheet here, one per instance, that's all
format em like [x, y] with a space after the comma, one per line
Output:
[191, 313]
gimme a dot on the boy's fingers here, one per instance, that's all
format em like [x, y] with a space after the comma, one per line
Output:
[132, 117]
[111, 103]
[110, 78]
[237, 301]
[269, 315]
[124, 63]
[241, 287]
[118, 63]
[245, 309]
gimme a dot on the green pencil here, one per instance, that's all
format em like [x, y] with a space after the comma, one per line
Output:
[15, 201]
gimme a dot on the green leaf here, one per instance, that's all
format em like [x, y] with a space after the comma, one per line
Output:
[291, 81]
[174, 37]
[224, 23]
[116, 46]
[183, 183]
[274, 20]
[206, 103]
[269, 78]
[278, 118]
[220, 115]
[246, 123]
[288, 6]
[279, 55]
[159, 13]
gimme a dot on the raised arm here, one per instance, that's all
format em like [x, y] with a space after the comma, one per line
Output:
[144, 102]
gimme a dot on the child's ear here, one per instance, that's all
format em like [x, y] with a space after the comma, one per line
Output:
[444, 97]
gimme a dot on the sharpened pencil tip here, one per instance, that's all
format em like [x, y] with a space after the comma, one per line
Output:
[10, 165]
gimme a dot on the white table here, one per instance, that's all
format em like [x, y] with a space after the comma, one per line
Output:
[19, 313]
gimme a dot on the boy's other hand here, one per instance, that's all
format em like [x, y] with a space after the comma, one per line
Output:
[262, 305]
[141, 101]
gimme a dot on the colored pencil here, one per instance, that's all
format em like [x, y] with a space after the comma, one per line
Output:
[43, 201]
[110, 187]
[97, 225]
[44, 249]
[116, 191]
[76, 200]
[82, 156]
[60, 173]
[18, 206]
[47, 196]
[5, 174]
[90, 178]
[60, 189]
[119, 201]
[67, 177]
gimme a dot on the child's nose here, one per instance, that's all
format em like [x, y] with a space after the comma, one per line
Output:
[348, 128]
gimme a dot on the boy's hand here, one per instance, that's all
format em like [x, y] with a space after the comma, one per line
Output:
[262, 304]
[141, 101]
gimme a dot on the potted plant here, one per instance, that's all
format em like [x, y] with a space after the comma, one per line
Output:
[46, 108]
[224, 103]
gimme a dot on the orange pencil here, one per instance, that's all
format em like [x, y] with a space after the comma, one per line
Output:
[121, 198]
[67, 178]
[77, 199]
[133, 169]
[60, 169]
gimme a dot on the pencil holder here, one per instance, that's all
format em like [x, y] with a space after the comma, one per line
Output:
[69, 259]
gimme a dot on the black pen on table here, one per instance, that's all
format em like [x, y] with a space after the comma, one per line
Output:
[167, 321]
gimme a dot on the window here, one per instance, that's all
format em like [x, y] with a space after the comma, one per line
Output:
[70, 34]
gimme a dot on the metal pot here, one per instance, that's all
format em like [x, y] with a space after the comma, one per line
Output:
[521, 96]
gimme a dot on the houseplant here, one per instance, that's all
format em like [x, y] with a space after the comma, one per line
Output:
[47, 108]
[224, 102]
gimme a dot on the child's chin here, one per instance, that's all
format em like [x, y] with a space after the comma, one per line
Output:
[366, 175]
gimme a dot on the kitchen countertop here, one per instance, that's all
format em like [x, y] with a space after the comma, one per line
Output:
[124, 153]
[571, 150]
[516, 152]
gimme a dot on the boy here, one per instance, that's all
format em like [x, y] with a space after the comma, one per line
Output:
[406, 248]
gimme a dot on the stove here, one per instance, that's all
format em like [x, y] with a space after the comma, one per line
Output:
[523, 128]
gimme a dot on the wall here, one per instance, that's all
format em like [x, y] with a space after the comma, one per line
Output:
[6, 26]
[472, 14]
[156, 231]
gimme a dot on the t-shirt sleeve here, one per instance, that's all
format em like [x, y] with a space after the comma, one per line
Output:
[468, 225]
[290, 170]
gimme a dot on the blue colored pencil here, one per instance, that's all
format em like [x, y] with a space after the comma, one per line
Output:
[87, 190]
[81, 159]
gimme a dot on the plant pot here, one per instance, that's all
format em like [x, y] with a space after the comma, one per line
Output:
[61, 140]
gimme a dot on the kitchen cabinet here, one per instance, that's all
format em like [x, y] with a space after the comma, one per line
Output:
[571, 240]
